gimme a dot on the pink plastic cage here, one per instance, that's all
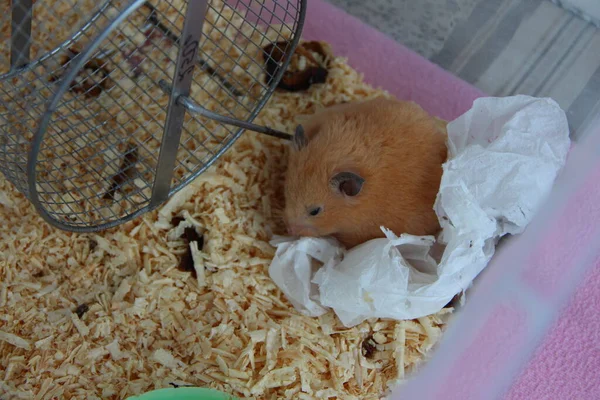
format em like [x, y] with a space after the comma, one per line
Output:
[519, 295]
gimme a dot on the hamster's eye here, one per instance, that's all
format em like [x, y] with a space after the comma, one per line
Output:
[314, 211]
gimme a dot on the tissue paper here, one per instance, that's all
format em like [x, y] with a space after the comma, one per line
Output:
[295, 263]
[504, 155]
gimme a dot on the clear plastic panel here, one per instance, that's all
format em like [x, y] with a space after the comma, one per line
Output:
[519, 295]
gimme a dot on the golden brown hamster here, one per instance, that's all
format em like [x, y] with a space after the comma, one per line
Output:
[356, 167]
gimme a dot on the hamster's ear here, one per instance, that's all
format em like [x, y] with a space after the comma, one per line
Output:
[299, 141]
[347, 183]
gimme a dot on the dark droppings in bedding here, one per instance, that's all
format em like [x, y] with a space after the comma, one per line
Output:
[81, 309]
[126, 172]
[369, 346]
[186, 263]
[299, 76]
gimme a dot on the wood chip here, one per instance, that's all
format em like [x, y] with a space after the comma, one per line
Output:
[15, 340]
[164, 357]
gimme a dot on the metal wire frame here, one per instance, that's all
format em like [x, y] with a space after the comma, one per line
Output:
[190, 164]
[20, 53]
[13, 159]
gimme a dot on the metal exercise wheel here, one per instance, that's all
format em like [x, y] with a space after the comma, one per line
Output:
[107, 108]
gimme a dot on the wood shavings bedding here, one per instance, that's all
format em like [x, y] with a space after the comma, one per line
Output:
[110, 315]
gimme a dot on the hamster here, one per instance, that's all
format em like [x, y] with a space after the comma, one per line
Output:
[358, 166]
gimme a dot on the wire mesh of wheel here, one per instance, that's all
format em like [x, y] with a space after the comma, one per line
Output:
[108, 108]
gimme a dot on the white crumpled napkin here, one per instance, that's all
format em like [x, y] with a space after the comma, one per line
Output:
[504, 155]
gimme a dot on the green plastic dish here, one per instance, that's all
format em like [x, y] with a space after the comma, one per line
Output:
[184, 393]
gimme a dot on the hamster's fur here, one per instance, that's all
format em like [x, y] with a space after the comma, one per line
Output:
[358, 166]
